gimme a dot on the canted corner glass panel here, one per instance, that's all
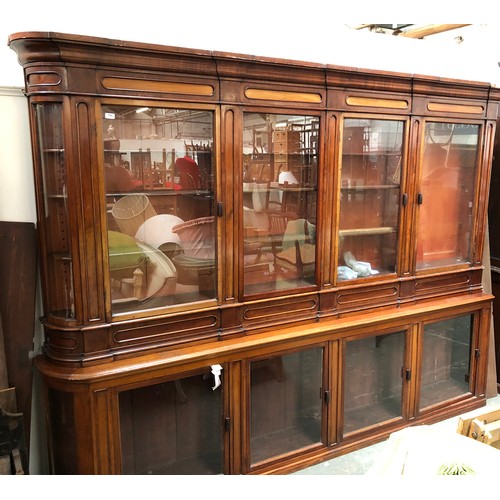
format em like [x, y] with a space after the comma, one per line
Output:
[445, 371]
[372, 155]
[373, 382]
[54, 213]
[173, 428]
[280, 171]
[285, 403]
[159, 168]
[445, 217]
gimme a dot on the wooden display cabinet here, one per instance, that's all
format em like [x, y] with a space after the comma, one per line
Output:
[251, 265]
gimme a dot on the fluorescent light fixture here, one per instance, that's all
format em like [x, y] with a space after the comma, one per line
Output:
[141, 110]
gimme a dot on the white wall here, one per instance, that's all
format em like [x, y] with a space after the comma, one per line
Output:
[17, 196]
[310, 30]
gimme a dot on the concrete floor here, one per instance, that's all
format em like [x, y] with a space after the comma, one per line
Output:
[367, 460]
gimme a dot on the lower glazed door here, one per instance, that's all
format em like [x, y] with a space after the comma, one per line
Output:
[286, 402]
[446, 367]
[173, 427]
[373, 380]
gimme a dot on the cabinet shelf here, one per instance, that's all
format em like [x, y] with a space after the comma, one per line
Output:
[53, 150]
[292, 188]
[369, 231]
[371, 188]
[263, 188]
[114, 152]
[57, 196]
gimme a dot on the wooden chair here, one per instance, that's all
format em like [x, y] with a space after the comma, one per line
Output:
[278, 222]
[297, 256]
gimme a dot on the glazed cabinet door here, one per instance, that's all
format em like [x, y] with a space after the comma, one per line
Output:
[446, 197]
[175, 426]
[280, 196]
[371, 175]
[285, 405]
[159, 169]
[375, 379]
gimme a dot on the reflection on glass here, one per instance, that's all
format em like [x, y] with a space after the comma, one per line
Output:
[172, 428]
[372, 382]
[280, 162]
[445, 360]
[372, 153]
[285, 403]
[159, 170]
[58, 265]
[447, 194]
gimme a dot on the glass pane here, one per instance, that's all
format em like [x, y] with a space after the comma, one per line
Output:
[63, 432]
[447, 187]
[159, 167]
[373, 381]
[286, 403]
[280, 165]
[172, 428]
[55, 215]
[372, 153]
[445, 360]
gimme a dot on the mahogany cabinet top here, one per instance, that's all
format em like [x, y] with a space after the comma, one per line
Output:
[35, 48]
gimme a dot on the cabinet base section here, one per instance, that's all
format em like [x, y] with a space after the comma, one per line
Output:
[273, 402]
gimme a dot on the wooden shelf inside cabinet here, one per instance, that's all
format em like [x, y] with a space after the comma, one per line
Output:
[53, 150]
[368, 231]
[162, 192]
[263, 188]
[293, 188]
[371, 188]
[371, 153]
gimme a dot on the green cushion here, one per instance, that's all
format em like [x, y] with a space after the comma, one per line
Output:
[124, 252]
